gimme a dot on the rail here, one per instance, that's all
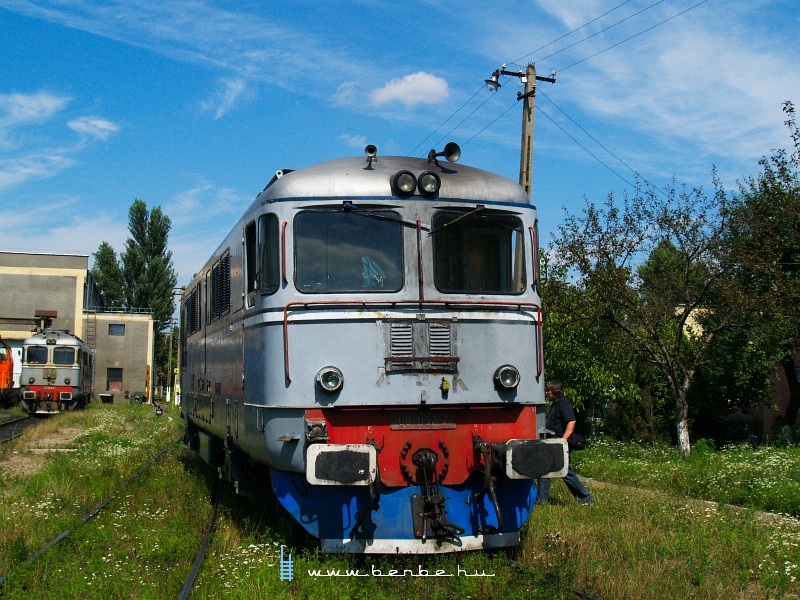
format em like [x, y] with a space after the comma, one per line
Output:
[90, 514]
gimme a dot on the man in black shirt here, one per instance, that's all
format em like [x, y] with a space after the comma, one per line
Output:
[561, 421]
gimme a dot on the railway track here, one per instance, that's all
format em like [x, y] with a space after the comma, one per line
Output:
[14, 428]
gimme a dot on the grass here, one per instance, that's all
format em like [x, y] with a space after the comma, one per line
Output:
[651, 533]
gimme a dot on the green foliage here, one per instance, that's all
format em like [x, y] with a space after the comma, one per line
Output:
[651, 543]
[144, 277]
[109, 277]
[585, 354]
[764, 244]
[147, 264]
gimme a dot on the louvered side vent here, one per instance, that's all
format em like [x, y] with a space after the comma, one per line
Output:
[421, 346]
[439, 339]
[401, 345]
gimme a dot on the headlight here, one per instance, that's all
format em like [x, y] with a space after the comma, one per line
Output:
[66, 380]
[31, 380]
[404, 182]
[507, 377]
[330, 379]
[429, 183]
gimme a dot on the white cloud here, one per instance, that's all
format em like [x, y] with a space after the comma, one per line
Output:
[24, 108]
[192, 205]
[69, 233]
[354, 141]
[25, 156]
[94, 127]
[232, 90]
[417, 88]
[18, 110]
[346, 93]
[14, 171]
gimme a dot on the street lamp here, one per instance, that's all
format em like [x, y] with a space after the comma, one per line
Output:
[529, 78]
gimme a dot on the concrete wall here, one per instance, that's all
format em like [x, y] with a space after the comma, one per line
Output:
[131, 352]
[31, 282]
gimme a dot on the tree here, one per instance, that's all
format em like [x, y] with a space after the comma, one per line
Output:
[108, 276]
[653, 267]
[589, 356]
[764, 244]
[144, 277]
[147, 264]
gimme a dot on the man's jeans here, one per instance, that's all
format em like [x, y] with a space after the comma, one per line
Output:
[574, 484]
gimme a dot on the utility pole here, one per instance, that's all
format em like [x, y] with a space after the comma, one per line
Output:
[529, 78]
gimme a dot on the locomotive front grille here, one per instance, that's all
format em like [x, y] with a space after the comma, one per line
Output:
[420, 346]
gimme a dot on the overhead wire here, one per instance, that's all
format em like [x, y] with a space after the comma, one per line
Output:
[589, 152]
[447, 119]
[558, 39]
[635, 35]
[638, 175]
[596, 141]
[620, 22]
[513, 62]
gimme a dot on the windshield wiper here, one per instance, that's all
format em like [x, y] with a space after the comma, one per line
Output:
[352, 208]
[476, 210]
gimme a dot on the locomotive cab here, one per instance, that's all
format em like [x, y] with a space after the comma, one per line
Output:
[370, 335]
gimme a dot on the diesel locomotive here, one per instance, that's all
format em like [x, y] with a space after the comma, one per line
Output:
[57, 373]
[366, 345]
[6, 372]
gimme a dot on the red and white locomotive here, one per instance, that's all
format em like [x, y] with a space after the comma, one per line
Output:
[56, 373]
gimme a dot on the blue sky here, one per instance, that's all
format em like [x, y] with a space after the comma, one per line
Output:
[192, 105]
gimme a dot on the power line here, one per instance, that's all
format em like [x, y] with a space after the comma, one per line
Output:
[448, 118]
[589, 152]
[516, 62]
[683, 12]
[491, 123]
[628, 18]
[464, 119]
[596, 141]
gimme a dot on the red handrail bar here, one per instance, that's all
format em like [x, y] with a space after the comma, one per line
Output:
[394, 303]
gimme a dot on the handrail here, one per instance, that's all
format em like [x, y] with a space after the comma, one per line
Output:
[412, 303]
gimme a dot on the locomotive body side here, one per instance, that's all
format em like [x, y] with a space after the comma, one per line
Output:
[375, 353]
[56, 373]
[6, 372]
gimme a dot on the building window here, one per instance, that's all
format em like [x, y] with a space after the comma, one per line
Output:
[114, 380]
[116, 329]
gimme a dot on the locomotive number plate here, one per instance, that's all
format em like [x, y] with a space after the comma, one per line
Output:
[426, 420]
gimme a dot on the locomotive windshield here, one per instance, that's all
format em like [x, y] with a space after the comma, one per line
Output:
[478, 252]
[343, 252]
[63, 356]
[36, 355]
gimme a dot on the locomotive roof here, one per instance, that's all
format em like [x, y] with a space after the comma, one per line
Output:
[61, 337]
[360, 177]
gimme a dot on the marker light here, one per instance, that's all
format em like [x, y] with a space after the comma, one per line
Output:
[507, 377]
[330, 379]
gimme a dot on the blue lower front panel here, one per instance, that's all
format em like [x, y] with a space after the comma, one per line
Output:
[332, 513]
